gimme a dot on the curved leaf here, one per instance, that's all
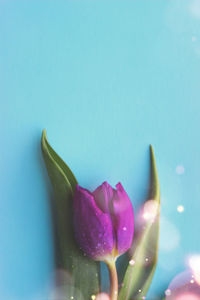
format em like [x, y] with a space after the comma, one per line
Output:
[82, 272]
[139, 274]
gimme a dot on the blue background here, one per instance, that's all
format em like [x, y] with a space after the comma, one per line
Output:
[106, 79]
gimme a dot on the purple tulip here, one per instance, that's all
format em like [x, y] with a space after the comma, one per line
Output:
[103, 221]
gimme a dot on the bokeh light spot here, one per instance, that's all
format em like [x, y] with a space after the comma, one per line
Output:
[150, 210]
[168, 292]
[194, 264]
[102, 296]
[170, 236]
[180, 170]
[180, 208]
[131, 262]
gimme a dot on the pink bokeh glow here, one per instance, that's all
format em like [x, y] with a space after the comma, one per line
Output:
[187, 296]
[104, 296]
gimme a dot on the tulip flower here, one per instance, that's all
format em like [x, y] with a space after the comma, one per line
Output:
[104, 225]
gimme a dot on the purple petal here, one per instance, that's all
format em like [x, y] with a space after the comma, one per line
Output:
[103, 196]
[123, 219]
[93, 228]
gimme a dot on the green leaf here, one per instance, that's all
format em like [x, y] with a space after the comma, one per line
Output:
[83, 274]
[138, 277]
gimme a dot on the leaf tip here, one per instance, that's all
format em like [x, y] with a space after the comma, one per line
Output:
[44, 133]
[151, 148]
[154, 175]
[43, 139]
[152, 154]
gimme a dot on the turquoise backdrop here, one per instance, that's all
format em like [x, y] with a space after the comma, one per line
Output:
[106, 79]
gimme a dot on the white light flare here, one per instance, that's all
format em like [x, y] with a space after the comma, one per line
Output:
[131, 262]
[168, 292]
[150, 210]
[180, 208]
[194, 264]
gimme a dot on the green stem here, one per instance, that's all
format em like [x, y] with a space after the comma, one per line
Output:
[113, 279]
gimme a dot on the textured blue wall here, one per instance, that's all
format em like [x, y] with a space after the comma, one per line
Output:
[106, 79]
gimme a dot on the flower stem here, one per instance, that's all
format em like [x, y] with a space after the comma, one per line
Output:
[113, 279]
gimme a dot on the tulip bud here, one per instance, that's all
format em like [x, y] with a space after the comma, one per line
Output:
[103, 221]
